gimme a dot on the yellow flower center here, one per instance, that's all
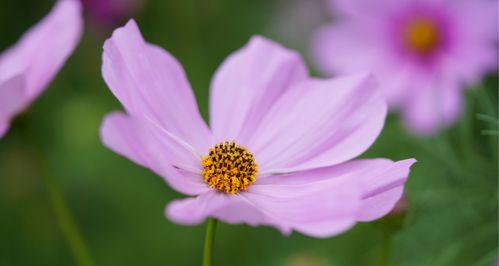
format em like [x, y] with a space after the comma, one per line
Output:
[229, 168]
[422, 36]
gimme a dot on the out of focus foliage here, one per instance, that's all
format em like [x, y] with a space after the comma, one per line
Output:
[453, 202]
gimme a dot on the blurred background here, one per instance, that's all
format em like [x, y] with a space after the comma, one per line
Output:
[451, 213]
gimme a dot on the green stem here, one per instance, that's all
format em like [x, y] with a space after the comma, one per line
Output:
[63, 216]
[208, 241]
[66, 223]
[385, 249]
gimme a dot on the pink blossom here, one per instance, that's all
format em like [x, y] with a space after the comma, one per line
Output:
[27, 67]
[423, 52]
[280, 144]
[109, 12]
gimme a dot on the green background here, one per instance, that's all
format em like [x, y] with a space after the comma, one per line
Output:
[453, 202]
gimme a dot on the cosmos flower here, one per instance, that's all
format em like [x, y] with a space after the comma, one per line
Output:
[27, 68]
[423, 52]
[280, 145]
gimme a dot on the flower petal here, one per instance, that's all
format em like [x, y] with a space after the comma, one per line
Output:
[321, 202]
[4, 127]
[248, 83]
[119, 133]
[383, 185]
[149, 82]
[231, 209]
[476, 19]
[320, 206]
[316, 210]
[42, 51]
[346, 47]
[436, 104]
[330, 122]
[12, 100]
[158, 150]
[363, 8]
[381, 182]
[191, 211]
[239, 210]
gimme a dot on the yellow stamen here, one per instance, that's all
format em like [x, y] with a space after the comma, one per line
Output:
[422, 36]
[229, 168]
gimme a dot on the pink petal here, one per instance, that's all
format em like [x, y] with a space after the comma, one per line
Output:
[239, 210]
[42, 51]
[317, 209]
[345, 48]
[123, 136]
[320, 203]
[4, 127]
[383, 185]
[320, 206]
[330, 122]
[381, 182]
[191, 211]
[364, 8]
[436, 104]
[353, 46]
[149, 82]
[248, 83]
[474, 49]
[476, 19]
[233, 209]
[158, 150]
[27, 67]
[471, 58]
[12, 100]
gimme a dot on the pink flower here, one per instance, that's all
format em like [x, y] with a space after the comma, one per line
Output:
[109, 12]
[27, 68]
[423, 52]
[279, 148]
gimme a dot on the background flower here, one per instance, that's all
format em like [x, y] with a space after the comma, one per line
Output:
[425, 53]
[27, 68]
[111, 12]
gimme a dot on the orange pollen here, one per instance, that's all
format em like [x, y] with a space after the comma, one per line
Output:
[422, 36]
[229, 168]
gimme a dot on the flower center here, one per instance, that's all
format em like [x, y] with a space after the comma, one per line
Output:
[422, 36]
[229, 168]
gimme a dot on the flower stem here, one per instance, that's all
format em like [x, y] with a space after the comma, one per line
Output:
[208, 241]
[66, 223]
[62, 213]
[385, 249]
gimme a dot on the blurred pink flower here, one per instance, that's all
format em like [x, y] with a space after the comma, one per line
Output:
[423, 52]
[279, 149]
[110, 12]
[27, 68]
